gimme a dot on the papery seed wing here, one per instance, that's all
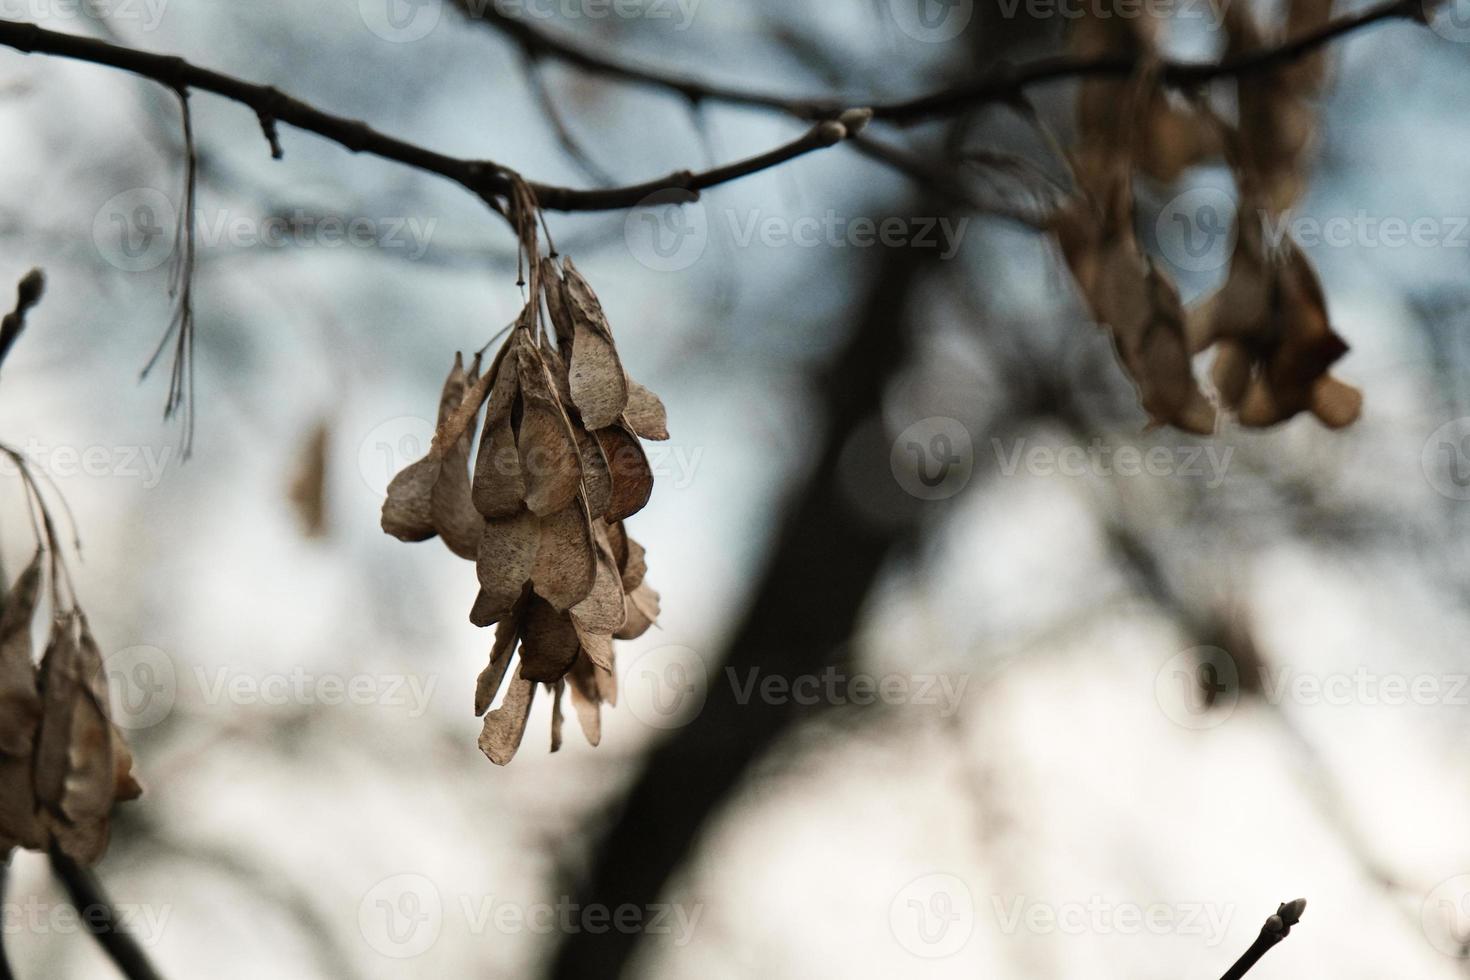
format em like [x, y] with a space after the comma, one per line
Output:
[596, 477]
[599, 385]
[408, 511]
[20, 701]
[642, 612]
[645, 413]
[506, 725]
[632, 477]
[557, 307]
[596, 647]
[451, 504]
[549, 642]
[635, 566]
[566, 560]
[601, 612]
[556, 715]
[506, 557]
[490, 679]
[548, 448]
[586, 700]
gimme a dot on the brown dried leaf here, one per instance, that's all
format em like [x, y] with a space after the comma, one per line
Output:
[506, 725]
[566, 560]
[632, 477]
[507, 555]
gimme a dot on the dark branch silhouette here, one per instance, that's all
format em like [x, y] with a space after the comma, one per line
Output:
[488, 179]
[1277, 927]
[96, 910]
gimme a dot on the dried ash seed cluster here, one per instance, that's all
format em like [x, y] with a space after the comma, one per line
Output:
[558, 469]
[63, 763]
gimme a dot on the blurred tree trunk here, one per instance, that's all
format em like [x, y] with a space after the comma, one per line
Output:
[820, 571]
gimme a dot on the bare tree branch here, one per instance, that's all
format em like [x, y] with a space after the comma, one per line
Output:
[1001, 85]
[96, 910]
[489, 179]
[1277, 927]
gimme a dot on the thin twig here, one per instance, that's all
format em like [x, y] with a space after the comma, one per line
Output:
[27, 295]
[485, 178]
[1000, 86]
[489, 179]
[96, 910]
[1277, 927]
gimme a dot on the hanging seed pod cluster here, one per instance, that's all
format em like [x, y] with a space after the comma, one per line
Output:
[1268, 326]
[539, 504]
[64, 765]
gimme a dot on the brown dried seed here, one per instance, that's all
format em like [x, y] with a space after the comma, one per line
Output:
[499, 487]
[596, 478]
[632, 477]
[586, 700]
[451, 505]
[642, 612]
[548, 447]
[556, 716]
[601, 611]
[599, 385]
[596, 647]
[566, 559]
[508, 553]
[20, 701]
[549, 642]
[506, 725]
[645, 413]
[487, 685]
[634, 566]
